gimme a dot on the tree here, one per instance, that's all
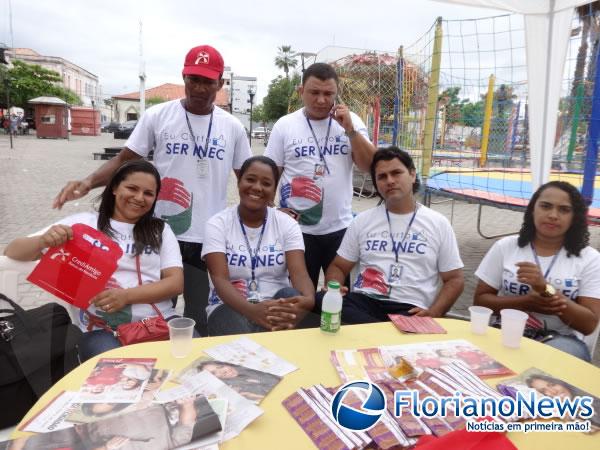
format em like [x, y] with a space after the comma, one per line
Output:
[275, 104]
[154, 101]
[27, 81]
[286, 59]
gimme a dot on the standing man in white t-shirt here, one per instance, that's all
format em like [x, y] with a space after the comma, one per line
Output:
[314, 149]
[407, 254]
[196, 144]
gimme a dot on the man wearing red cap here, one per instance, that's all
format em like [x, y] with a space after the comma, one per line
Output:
[196, 144]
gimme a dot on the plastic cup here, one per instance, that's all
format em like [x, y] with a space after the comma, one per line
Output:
[513, 325]
[480, 319]
[181, 330]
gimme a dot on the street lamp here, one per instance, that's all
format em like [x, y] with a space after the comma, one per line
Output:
[251, 94]
[303, 55]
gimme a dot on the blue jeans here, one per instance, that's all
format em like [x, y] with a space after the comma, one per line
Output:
[94, 342]
[225, 320]
[570, 345]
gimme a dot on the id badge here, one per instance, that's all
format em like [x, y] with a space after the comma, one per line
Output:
[253, 295]
[319, 171]
[202, 168]
[395, 274]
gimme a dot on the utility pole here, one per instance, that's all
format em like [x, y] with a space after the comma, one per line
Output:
[6, 82]
[142, 77]
[251, 93]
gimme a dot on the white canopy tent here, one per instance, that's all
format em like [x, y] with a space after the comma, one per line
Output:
[547, 31]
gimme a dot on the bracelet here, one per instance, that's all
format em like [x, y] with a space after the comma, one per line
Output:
[351, 133]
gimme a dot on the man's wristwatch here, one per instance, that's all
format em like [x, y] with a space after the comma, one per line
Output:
[351, 133]
[548, 291]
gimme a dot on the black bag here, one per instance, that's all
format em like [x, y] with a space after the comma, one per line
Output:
[37, 347]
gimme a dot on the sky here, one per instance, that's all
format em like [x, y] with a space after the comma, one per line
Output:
[103, 37]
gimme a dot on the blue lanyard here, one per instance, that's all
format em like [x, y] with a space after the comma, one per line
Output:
[537, 260]
[321, 156]
[394, 248]
[253, 255]
[187, 119]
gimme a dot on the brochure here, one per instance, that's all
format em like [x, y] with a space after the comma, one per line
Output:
[542, 383]
[433, 355]
[117, 380]
[416, 324]
[251, 384]
[240, 413]
[90, 412]
[164, 426]
[245, 352]
[53, 416]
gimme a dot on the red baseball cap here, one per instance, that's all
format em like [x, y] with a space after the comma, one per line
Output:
[204, 61]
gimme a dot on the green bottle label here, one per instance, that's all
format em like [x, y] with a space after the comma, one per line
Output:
[330, 322]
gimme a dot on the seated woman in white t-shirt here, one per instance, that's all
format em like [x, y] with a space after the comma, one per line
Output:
[548, 270]
[253, 252]
[126, 215]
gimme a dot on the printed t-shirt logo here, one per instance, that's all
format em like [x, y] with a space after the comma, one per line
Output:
[176, 205]
[304, 196]
[372, 281]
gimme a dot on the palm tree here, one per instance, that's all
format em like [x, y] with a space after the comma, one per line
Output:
[286, 59]
[587, 18]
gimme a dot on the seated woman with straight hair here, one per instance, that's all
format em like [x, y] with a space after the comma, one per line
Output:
[252, 252]
[548, 270]
[148, 274]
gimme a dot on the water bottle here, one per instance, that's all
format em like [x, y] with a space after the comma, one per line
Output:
[331, 311]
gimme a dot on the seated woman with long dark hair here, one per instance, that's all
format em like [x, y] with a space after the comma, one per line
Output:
[148, 274]
[548, 270]
[252, 252]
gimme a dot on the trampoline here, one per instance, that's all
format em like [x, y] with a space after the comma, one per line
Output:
[501, 188]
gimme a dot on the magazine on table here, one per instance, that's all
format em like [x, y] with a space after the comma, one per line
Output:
[536, 380]
[65, 410]
[251, 384]
[117, 380]
[89, 412]
[240, 411]
[433, 355]
[159, 426]
[212, 441]
[53, 416]
[245, 352]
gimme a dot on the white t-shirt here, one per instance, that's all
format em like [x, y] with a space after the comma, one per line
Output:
[429, 248]
[151, 263]
[324, 199]
[194, 179]
[572, 277]
[224, 235]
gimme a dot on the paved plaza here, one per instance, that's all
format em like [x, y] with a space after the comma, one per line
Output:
[33, 172]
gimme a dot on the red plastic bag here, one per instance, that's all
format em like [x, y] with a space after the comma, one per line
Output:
[78, 270]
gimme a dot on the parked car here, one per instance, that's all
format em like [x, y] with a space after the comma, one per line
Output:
[109, 127]
[260, 132]
[30, 122]
[125, 129]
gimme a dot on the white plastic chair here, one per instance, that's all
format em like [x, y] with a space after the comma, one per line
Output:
[9, 275]
[592, 339]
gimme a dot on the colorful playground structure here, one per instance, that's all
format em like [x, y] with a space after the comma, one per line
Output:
[457, 100]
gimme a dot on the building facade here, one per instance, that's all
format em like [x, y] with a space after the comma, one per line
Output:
[127, 106]
[82, 82]
[239, 91]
